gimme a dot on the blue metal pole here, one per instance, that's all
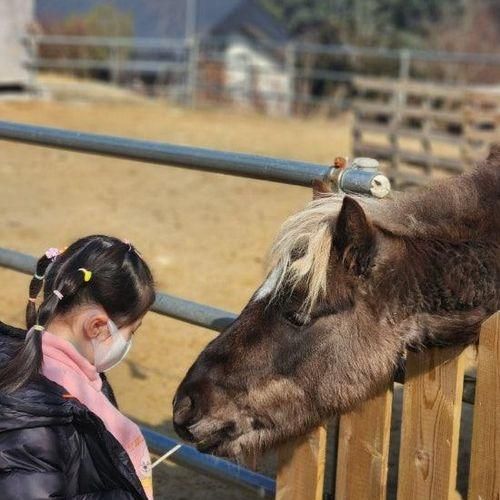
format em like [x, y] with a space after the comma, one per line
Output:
[207, 160]
[168, 305]
[215, 467]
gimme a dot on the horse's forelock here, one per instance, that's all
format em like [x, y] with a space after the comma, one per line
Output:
[301, 251]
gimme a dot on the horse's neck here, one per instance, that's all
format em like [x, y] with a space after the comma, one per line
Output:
[464, 208]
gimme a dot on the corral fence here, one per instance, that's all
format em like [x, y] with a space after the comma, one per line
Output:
[433, 382]
[422, 130]
[294, 77]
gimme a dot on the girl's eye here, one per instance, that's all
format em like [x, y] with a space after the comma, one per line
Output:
[296, 318]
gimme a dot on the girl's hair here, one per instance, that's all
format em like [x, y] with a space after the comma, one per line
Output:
[121, 283]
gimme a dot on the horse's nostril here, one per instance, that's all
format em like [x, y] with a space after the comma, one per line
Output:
[183, 410]
[184, 416]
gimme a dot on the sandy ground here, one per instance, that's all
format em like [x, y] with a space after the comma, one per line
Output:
[204, 235]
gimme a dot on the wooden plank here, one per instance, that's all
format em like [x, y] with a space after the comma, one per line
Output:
[412, 87]
[431, 418]
[370, 107]
[489, 136]
[446, 116]
[301, 467]
[367, 107]
[433, 135]
[484, 476]
[453, 165]
[363, 450]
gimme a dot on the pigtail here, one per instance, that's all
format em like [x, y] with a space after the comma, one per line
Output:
[35, 287]
[27, 362]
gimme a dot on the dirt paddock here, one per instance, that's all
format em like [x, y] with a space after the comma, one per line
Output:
[204, 235]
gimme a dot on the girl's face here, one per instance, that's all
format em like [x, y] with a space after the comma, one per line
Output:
[87, 324]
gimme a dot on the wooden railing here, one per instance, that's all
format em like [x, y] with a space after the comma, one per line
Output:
[428, 449]
[423, 130]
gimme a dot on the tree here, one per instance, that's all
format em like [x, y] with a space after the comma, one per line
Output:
[102, 20]
[388, 23]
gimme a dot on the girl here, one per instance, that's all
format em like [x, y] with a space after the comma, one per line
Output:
[61, 434]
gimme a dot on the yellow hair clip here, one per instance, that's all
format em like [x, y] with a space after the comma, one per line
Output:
[86, 274]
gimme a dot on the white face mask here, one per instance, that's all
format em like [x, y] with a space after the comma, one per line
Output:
[108, 353]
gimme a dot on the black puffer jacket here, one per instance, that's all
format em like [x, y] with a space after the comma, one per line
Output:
[55, 447]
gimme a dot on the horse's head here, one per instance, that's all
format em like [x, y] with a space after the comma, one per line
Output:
[345, 295]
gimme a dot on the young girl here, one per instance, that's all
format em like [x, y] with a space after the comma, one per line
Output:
[61, 434]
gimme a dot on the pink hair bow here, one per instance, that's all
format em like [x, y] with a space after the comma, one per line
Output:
[52, 253]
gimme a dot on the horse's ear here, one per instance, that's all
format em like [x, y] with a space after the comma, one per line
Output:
[354, 237]
[320, 188]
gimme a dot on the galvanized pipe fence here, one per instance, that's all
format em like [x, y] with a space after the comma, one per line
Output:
[179, 63]
[237, 164]
[244, 165]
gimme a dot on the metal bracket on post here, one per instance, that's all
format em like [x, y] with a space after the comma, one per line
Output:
[362, 176]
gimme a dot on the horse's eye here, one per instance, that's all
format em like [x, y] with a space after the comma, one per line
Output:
[297, 318]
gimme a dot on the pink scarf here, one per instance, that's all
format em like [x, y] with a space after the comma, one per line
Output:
[63, 364]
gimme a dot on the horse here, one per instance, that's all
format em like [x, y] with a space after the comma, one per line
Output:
[353, 283]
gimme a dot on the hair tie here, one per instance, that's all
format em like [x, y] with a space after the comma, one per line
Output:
[127, 242]
[131, 248]
[38, 277]
[52, 253]
[58, 294]
[38, 328]
[86, 274]
[32, 299]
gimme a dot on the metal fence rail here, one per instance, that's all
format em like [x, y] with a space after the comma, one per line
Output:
[238, 164]
[317, 74]
[165, 304]
[209, 465]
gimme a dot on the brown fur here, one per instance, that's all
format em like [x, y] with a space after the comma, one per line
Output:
[421, 269]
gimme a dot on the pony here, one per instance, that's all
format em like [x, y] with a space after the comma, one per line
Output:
[353, 283]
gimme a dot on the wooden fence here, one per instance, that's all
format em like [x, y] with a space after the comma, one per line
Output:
[422, 131]
[429, 436]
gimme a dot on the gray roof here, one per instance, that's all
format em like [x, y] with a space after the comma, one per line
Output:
[167, 18]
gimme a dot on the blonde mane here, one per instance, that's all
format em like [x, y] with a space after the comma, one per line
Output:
[301, 250]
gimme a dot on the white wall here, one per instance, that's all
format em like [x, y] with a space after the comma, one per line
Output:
[255, 76]
[15, 15]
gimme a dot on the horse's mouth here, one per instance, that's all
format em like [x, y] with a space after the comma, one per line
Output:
[218, 441]
[229, 439]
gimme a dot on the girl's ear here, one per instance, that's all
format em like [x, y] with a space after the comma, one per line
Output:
[96, 325]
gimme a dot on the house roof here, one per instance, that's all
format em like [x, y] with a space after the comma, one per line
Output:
[167, 18]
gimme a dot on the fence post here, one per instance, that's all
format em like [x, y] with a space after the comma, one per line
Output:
[301, 467]
[404, 64]
[114, 63]
[432, 406]
[290, 60]
[363, 450]
[399, 102]
[484, 477]
[192, 69]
